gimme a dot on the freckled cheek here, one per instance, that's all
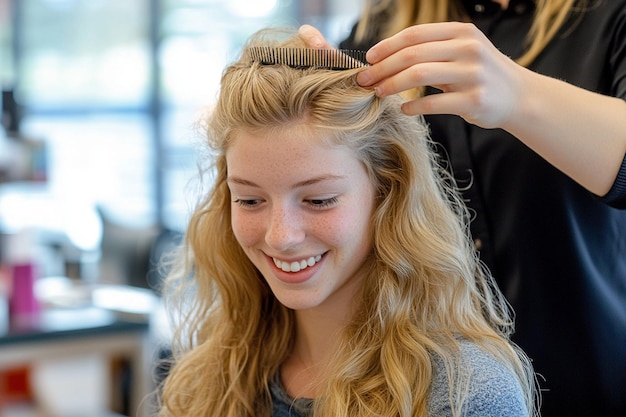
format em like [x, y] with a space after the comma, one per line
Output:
[344, 226]
[247, 229]
[356, 223]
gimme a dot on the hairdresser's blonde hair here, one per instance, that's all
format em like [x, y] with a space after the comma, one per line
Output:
[550, 16]
[424, 291]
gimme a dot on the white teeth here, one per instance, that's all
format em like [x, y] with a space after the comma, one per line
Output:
[298, 265]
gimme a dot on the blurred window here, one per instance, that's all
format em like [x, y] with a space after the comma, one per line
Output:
[84, 86]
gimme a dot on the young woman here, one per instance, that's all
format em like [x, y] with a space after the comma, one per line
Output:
[527, 98]
[329, 271]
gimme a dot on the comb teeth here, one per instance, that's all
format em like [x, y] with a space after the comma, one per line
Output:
[302, 58]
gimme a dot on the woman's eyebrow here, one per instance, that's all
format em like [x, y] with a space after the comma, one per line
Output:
[318, 179]
[307, 182]
[241, 181]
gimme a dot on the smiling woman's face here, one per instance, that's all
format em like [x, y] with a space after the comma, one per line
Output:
[301, 210]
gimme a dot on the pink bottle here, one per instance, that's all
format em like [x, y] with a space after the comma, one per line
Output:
[24, 306]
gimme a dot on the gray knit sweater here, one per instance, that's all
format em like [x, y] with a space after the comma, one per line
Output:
[493, 390]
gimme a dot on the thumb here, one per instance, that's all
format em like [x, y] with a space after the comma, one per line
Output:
[313, 38]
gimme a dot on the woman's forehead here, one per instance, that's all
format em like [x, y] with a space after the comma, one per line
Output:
[285, 152]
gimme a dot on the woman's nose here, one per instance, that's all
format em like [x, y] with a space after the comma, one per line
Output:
[284, 229]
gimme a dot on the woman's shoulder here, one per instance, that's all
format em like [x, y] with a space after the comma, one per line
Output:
[491, 388]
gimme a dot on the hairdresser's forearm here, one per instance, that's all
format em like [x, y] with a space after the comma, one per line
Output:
[579, 132]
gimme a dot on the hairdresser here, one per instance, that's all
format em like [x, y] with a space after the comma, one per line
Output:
[527, 99]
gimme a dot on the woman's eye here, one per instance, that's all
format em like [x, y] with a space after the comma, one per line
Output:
[246, 203]
[322, 203]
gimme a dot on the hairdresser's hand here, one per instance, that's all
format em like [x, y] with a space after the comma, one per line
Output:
[479, 83]
[559, 121]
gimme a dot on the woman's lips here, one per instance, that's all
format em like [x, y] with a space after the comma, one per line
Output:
[297, 271]
[296, 266]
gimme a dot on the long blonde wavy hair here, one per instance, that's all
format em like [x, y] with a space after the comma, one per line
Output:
[425, 289]
[550, 16]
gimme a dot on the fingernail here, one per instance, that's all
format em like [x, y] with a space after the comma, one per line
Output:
[364, 78]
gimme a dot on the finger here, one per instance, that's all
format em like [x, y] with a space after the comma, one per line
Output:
[431, 52]
[431, 104]
[415, 35]
[313, 38]
[462, 104]
[442, 77]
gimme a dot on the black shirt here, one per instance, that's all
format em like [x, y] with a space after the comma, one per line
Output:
[557, 251]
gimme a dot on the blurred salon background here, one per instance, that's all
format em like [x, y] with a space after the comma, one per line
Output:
[98, 151]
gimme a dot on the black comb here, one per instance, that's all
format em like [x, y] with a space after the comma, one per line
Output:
[303, 58]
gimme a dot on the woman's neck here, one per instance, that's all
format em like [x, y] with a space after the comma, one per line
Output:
[315, 342]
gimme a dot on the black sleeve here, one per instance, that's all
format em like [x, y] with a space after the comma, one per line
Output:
[616, 197]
